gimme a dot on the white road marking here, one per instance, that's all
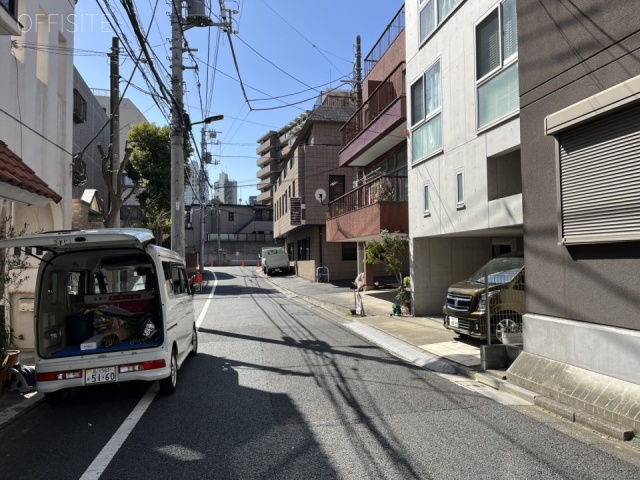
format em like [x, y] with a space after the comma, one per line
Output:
[206, 305]
[101, 462]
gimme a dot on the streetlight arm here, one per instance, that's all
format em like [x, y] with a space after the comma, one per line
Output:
[214, 118]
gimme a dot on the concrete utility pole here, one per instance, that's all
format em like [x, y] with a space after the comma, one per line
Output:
[203, 201]
[177, 139]
[114, 162]
[196, 17]
[358, 73]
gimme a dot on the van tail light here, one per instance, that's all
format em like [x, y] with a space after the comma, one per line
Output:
[52, 376]
[139, 367]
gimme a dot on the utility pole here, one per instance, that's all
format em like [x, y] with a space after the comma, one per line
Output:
[114, 161]
[177, 139]
[358, 73]
[203, 201]
[196, 17]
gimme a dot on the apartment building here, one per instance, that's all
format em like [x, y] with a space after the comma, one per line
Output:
[374, 145]
[309, 180]
[579, 109]
[36, 110]
[273, 147]
[465, 188]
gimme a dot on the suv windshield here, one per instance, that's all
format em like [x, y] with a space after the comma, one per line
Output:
[498, 270]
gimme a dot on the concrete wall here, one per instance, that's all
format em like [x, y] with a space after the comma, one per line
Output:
[36, 123]
[589, 283]
[582, 301]
[438, 262]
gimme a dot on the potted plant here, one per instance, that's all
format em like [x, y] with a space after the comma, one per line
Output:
[390, 250]
[403, 298]
[6, 340]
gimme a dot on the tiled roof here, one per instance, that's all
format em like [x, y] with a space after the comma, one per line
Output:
[15, 172]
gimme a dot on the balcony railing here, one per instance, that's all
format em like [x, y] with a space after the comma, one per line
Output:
[382, 189]
[384, 95]
[384, 42]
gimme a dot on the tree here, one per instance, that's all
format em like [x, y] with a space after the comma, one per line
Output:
[150, 168]
[389, 251]
[115, 191]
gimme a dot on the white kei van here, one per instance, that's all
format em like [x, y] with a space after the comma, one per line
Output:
[110, 306]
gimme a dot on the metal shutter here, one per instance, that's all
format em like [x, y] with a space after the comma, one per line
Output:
[600, 180]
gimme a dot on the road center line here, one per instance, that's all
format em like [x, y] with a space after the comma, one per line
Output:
[101, 462]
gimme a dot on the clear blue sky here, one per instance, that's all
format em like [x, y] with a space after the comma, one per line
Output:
[287, 52]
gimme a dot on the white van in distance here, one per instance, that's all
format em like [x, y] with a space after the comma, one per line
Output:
[110, 306]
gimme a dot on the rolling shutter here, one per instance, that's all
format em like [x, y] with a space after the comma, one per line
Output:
[600, 180]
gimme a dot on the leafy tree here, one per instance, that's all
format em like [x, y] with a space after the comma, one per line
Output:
[389, 251]
[150, 169]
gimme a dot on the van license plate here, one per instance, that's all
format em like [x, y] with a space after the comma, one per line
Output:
[453, 322]
[100, 375]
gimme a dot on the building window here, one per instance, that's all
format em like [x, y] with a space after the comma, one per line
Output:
[497, 64]
[460, 188]
[304, 250]
[433, 13]
[10, 6]
[426, 204]
[79, 107]
[426, 114]
[336, 187]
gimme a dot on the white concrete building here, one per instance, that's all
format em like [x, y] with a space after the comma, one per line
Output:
[36, 108]
[226, 190]
[465, 189]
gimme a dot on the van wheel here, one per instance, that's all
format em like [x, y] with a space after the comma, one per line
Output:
[508, 322]
[57, 398]
[168, 384]
[194, 342]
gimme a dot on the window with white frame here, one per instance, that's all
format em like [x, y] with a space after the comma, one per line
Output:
[426, 114]
[433, 13]
[497, 64]
[426, 204]
[460, 188]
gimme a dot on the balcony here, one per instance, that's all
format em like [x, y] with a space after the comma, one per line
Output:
[268, 157]
[272, 142]
[364, 212]
[265, 197]
[272, 168]
[395, 27]
[378, 125]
